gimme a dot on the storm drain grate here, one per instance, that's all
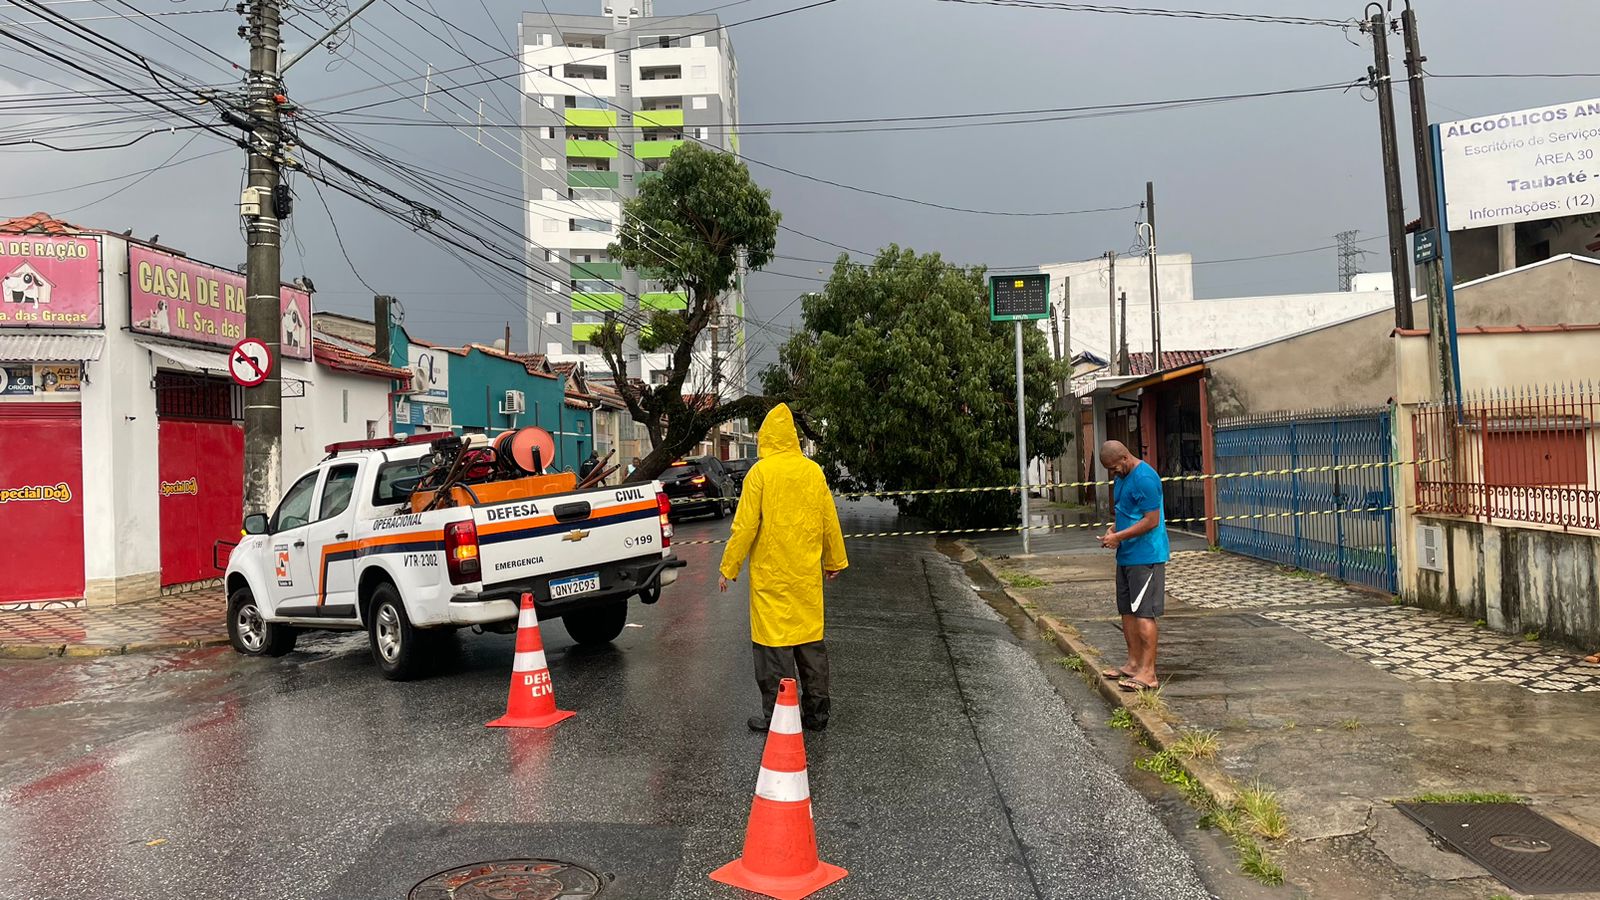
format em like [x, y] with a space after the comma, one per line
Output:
[510, 879]
[1526, 851]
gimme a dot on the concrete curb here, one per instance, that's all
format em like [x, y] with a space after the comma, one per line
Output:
[85, 651]
[1216, 783]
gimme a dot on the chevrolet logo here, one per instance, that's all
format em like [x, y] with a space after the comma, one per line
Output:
[575, 535]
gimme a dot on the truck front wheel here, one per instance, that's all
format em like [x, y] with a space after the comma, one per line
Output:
[396, 644]
[249, 631]
[597, 625]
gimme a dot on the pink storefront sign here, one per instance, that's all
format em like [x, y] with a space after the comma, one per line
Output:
[179, 298]
[49, 282]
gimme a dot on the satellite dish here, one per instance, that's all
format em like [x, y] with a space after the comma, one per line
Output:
[531, 448]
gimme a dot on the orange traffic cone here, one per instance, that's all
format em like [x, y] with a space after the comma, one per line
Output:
[780, 843]
[532, 703]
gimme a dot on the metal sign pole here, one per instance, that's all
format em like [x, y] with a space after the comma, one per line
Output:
[1022, 442]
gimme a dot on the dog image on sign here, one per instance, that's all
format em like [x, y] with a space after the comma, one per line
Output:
[25, 285]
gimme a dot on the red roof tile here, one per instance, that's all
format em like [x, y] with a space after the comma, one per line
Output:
[345, 361]
[1139, 363]
[38, 223]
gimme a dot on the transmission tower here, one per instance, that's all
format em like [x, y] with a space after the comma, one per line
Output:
[1349, 258]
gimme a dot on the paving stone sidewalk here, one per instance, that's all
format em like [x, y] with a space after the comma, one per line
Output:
[193, 619]
[1342, 702]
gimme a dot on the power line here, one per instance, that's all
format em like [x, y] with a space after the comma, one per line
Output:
[1160, 12]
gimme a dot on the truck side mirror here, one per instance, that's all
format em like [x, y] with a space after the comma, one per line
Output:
[255, 523]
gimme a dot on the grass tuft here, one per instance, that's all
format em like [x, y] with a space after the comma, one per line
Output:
[1481, 623]
[1350, 724]
[1261, 813]
[1465, 797]
[1255, 861]
[1073, 662]
[1121, 718]
[1193, 743]
[1530, 636]
[1023, 580]
[1150, 700]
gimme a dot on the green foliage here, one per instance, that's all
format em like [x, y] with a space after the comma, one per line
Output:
[1073, 662]
[688, 229]
[911, 386]
[1255, 861]
[1194, 743]
[1466, 797]
[1121, 718]
[1023, 580]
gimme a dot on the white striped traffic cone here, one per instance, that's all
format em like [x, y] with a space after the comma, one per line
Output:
[532, 703]
[780, 843]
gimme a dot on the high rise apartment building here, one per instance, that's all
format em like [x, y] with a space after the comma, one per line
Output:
[606, 99]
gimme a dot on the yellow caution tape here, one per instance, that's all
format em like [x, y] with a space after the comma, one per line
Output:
[1063, 526]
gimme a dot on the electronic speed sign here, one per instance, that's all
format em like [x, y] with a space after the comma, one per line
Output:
[1013, 298]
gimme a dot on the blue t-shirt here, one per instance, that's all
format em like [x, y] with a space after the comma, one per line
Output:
[1137, 493]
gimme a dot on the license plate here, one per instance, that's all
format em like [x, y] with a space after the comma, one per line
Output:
[576, 584]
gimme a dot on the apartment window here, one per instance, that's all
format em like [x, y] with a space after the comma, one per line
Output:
[697, 40]
[549, 133]
[548, 164]
[602, 225]
[541, 40]
[555, 286]
[580, 348]
[552, 256]
[590, 286]
[698, 103]
[587, 102]
[697, 71]
[550, 194]
[590, 73]
[660, 73]
[549, 101]
[702, 133]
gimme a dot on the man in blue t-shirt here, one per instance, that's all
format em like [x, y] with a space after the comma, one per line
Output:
[1140, 538]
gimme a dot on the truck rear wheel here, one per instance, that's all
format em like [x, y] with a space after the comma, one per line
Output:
[249, 631]
[597, 625]
[397, 646]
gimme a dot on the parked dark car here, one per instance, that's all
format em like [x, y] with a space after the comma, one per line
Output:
[698, 486]
[737, 469]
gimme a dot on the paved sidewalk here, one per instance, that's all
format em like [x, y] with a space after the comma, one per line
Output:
[1343, 702]
[194, 619]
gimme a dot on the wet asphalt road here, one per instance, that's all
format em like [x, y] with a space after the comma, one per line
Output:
[951, 768]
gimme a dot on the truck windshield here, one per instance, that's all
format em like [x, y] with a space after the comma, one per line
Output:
[681, 471]
[386, 493]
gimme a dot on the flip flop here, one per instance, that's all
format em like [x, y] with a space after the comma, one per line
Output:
[1133, 684]
[1113, 673]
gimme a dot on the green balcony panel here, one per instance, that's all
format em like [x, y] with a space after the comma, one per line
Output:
[596, 302]
[733, 141]
[583, 333]
[592, 149]
[664, 300]
[654, 149]
[658, 118]
[593, 271]
[586, 179]
[592, 118]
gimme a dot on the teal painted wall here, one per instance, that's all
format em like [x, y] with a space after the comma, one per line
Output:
[478, 382]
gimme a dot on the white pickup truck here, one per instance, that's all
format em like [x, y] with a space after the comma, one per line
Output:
[345, 551]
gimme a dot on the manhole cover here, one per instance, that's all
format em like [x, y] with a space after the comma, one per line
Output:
[1528, 852]
[510, 879]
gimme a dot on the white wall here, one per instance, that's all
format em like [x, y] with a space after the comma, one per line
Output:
[536, 82]
[1228, 323]
[710, 58]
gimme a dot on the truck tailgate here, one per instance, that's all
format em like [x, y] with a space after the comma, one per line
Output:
[519, 539]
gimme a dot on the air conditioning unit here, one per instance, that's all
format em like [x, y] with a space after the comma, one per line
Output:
[515, 403]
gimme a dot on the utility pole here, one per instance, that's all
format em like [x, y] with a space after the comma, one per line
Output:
[263, 404]
[1111, 348]
[1155, 291]
[1382, 84]
[1125, 361]
[1427, 197]
[1066, 401]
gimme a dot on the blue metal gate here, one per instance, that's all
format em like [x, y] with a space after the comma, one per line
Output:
[1336, 522]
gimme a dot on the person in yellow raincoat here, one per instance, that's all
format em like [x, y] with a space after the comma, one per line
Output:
[788, 527]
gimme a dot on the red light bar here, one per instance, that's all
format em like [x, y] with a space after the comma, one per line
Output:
[338, 447]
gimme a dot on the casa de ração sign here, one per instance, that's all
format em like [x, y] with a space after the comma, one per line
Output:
[1019, 297]
[49, 282]
[172, 296]
[1521, 166]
